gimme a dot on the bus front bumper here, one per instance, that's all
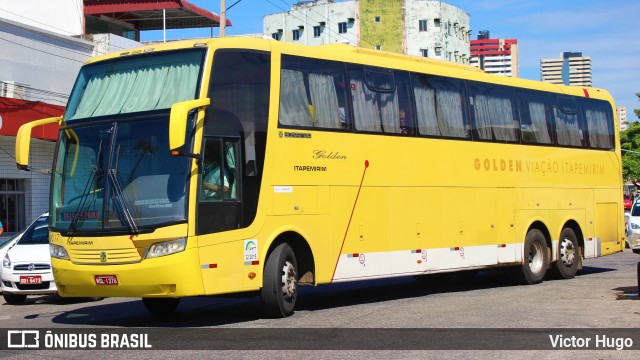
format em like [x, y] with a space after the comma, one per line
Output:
[175, 275]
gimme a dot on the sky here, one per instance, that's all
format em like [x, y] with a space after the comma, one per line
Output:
[606, 31]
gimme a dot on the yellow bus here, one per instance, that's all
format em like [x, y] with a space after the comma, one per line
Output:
[223, 166]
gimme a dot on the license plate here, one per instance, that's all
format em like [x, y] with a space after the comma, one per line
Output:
[106, 280]
[30, 280]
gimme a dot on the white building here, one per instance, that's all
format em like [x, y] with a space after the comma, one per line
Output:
[426, 28]
[622, 117]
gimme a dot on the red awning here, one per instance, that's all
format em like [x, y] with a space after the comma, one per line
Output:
[148, 15]
[15, 112]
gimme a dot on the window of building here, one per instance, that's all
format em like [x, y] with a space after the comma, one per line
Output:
[342, 27]
[377, 19]
[296, 34]
[423, 25]
[378, 47]
[317, 31]
[12, 205]
[425, 52]
[436, 22]
[276, 35]
[438, 52]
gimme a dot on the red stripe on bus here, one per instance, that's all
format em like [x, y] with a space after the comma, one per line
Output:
[586, 93]
[366, 165]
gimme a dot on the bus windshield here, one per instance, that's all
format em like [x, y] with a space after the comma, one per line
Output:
[133, 84]
[118, 176]
[114, 170]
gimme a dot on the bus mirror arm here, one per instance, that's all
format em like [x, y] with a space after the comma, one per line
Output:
[23, 140]
[178, 125]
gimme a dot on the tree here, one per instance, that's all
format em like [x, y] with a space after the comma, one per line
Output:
[630, 142]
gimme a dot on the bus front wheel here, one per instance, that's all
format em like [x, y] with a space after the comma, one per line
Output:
[568, 255]
[536, 260]
[280, 282]
[161, 306]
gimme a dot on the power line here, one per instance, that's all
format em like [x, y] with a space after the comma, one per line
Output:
[42, 51]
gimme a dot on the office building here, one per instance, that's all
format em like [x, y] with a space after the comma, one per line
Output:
[570, 69]
[495, 56]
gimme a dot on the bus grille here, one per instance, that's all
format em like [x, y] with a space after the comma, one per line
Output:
[105, 257]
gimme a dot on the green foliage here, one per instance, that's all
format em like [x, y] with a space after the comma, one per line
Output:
[630, 141]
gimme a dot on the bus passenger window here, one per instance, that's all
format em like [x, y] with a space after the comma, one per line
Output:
[535, 122]
[312, 94]
[599, 118]
[569, 130]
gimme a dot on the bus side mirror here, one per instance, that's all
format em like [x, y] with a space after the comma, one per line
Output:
[178, 124]
[23, 140]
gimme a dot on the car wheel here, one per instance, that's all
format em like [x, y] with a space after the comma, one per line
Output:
[13, 299]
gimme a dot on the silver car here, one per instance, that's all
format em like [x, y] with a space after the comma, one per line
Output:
[633, 228]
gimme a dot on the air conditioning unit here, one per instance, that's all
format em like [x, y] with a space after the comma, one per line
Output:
[12, 89]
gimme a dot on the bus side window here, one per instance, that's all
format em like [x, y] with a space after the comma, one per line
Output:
[599, 117]
[570, 130]
[494, 115]
[536, 126]
[425, 99]
[450, 107]
[312, 93]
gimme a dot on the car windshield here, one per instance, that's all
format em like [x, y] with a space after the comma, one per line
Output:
[37, 233]
[6, 241]
[635, 210]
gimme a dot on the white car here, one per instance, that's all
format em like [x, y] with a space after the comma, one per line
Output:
[633, 228]
[8, 242]
[26, 267]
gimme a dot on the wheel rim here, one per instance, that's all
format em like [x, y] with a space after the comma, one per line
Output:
[567, 252]
[536, 257]
[289, 281]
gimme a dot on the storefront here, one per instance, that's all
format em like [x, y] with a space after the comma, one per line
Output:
[24, 195]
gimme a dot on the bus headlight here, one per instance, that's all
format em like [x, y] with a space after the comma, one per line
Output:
[166, 248]
[58, 252]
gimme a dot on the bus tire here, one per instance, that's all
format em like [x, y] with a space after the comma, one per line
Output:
[536, 260]
[568, 255]
[13, 299]
[280, 282]
[161, 306]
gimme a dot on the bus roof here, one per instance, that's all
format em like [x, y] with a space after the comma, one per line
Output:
[349, 53]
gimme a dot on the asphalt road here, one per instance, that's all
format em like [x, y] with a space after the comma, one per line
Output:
[604, 294]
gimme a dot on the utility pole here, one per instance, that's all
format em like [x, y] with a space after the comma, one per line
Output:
[223, 18]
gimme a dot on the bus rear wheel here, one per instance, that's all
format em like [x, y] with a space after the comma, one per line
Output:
[568, 255]
[161, 306]
[536, 260]
[280, 284]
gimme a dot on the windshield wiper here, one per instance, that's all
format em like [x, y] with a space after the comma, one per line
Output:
[78, 214]
[123, 210]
